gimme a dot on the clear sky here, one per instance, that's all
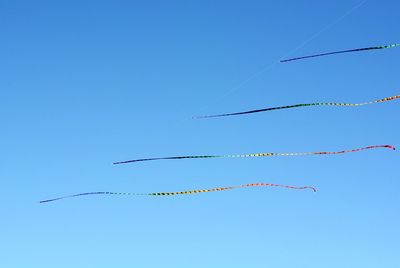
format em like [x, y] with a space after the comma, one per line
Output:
[87, 83]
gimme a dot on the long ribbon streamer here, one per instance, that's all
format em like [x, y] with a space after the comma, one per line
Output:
[302, 105]
[188, 192]
[342, 51]
[255, 154]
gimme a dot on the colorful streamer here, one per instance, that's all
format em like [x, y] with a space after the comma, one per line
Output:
[256, 154]
[342, 51]
[303, 105]
[188, 192]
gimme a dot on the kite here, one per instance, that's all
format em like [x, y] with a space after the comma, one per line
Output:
[189, 191]
[255, 154]
[342, 51]
[303, 105]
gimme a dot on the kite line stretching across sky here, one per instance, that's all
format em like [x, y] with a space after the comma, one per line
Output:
[190, 191]
[256, 154]
[342, 51]
[303, 105]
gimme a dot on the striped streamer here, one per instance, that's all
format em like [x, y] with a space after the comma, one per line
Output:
[302, 105]
[188, 192]
[255, 154]
[342, 51]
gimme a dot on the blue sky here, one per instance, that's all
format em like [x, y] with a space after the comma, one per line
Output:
[87, 83]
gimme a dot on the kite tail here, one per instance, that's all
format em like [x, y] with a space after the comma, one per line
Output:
[301, 105]
[278, 185]
[329, 53]
[267, 154]
[388, 99]
[189, 191]
[70, 196]
[340, 52]
[358, 149]
[258, 110]
[167, 158]
[311, 153]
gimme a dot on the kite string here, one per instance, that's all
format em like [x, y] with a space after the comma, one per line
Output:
[270, 66]
[215, 100]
